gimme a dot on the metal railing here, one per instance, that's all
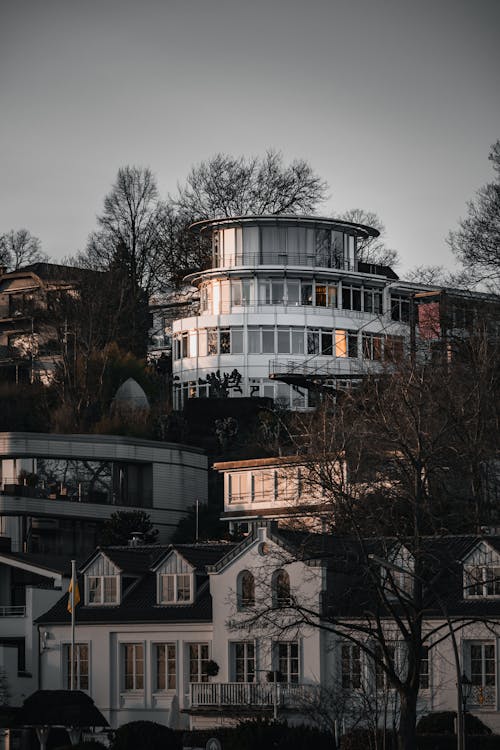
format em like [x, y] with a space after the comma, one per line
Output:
[346, 367]
[310, 260]
[12, 611]
[252, 694]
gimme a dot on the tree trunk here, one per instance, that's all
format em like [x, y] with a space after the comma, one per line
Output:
[407, 734]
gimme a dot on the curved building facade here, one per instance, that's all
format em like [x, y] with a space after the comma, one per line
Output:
[286, 294]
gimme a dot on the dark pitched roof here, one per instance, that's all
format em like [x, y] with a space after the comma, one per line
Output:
[138, 602]
[60, 708]
[56, 563]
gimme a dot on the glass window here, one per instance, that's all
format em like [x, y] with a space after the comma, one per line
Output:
[246, 286]
[288, 661]
[175, 587]
[351, 666]
[212, 341]
[281, 589]
[267, 340]
[424, 669]
[184, 345]
[202, 343]
[246, 590]
[133, 654]
[102, 590]
[253, 335]
[297, 341]
[293, 289]
[277, 292]
[80, 666]
[372, 346]
[306, 294]
[381, 682]
[482, 662]
[321, 295]
[326, 342]
[264, 293]
[225, 341]
[394, 348]
[193, 344]
[482, 580]
[198, 658]
[237, 340]
[283, 340]
[166, 672]
[332, 295]
[244, 661]
[312, 341]
[236, 292]
[400, 308]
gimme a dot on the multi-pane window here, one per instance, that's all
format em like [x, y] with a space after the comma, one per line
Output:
[306, 294]
[198, 658]
[400, 308]
[287, 660]
[482, 580]
[297, 340]
[102, 589]
[351, 297]
[80, 666]
[133, 666]
[482, 672]
[381, 660]
[326, 342]
[372, 300]
[292, 292]
[212, 341]
[351, 666]
[372, 346]
[165, 658]
[346, 343]
[225, 341]
[175, 587]
[236, 340]
[244, 661]
[424, 668]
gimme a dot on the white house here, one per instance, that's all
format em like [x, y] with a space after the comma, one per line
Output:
[153, 619]
[287, 296]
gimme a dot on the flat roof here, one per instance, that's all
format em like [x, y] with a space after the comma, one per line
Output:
[289, 219]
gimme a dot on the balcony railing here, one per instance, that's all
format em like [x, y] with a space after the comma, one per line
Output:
[265, 258]
[249, 694]
[338, 367]
[12, 611]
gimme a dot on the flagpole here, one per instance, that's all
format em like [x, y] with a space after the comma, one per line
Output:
[72, 594]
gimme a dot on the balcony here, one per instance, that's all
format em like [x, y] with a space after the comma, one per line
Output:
[249, 696]
[12, 611]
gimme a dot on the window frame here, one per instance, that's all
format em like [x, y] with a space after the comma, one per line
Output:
[66, 671]
[136, 676]
[248, 659]
[284, 662]
[102, 601]
[163, 579]
[163, 667]
[199, 659]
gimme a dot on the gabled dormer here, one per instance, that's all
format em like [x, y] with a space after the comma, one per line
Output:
[481, 572]
[175, 580]
[102, 582]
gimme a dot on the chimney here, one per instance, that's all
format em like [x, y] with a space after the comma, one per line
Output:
[136, 539]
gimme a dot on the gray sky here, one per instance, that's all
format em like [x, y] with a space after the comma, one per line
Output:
[394, 102]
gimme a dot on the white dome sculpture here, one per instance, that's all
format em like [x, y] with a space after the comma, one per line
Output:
[130, 395]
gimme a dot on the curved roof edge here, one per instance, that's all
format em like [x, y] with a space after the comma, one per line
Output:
[360, 229]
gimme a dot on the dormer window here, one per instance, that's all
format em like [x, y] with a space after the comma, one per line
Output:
[481, 581]
[175, 588]
[102, 589]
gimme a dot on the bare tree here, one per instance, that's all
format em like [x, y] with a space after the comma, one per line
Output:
[20, 248]
[129, 234]
[476, 243]
[227, 186]
[372, 249]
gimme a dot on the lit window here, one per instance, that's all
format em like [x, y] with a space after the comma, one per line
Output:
[165, 654]
[102, 590]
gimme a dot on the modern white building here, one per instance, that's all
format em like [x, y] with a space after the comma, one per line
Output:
[201, 635]
[287, 295]
[56, 490]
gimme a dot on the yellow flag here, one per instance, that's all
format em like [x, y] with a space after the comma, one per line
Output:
[76, 595]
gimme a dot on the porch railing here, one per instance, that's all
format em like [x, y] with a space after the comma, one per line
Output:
[254, 694]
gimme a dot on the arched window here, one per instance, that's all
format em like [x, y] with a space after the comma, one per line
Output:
[246, 590]
[281, 588]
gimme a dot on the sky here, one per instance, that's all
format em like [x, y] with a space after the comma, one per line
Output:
[395, 103]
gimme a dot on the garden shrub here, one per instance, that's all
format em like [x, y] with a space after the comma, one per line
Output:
[145, 734]
[443, 722]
